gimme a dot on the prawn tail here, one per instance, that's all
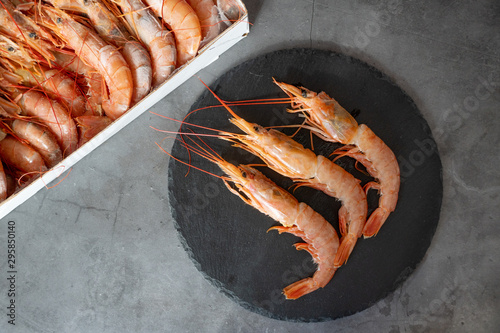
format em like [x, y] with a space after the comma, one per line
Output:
[301, 288]
[346, 246]
[375, 222]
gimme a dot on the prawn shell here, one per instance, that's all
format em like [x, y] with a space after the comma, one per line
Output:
[210, 21]
[39, 138]
[159, 40]
[54, 116]
[21, 156]
[4, 185]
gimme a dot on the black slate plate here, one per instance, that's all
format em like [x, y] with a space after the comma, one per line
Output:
[227, 239]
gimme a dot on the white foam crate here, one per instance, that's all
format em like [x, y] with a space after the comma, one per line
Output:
[208, 54]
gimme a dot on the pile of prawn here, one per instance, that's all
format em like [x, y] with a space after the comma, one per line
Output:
[69, 68]
[326, 118]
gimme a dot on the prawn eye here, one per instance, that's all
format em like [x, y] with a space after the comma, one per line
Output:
[10, 49]
[304, 93]
[59, 20]
[256, 128]
[32, 35]
[244, 174]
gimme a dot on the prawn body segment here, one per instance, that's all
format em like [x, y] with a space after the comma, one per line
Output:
[21, 156]
[54, 116]
[73, 63]
[330, 121]
[39, 138]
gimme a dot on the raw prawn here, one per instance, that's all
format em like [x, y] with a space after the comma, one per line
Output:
[185, 24]
[54, 116]
[149, 29]
[98, 54]
[299, 219]
[331, 122]
[210, 22]
[289, 158]
[114, 32]
[40, 138]
[21, 156]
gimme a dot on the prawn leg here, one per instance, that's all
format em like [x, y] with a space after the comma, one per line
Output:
[291, 230]
[149, 29]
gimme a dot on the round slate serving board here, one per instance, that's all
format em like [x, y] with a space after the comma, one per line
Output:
[227, 239]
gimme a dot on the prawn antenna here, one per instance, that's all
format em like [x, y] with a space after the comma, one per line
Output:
[197, 148]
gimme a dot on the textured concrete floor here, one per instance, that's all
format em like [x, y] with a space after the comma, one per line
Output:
[99, 253]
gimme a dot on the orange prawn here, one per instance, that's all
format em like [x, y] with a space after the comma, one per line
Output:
[331, 122]
[114, 32]
[41, 139]
[21, 156]
[54, 116]
[48, 111]
[160, 41]
[319, 236]
[97, 54]
[210, 21]
[185, 24]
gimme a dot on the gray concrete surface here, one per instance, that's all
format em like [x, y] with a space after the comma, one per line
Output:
[99, 252]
